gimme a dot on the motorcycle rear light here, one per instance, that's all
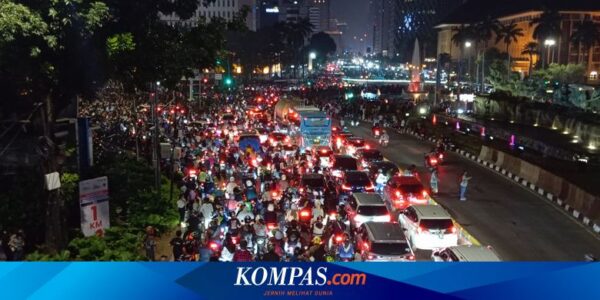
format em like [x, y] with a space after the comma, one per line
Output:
[332, 215]
[271, 226]
[214, 246]
[234, 240]
[433, 161]
[339, 238]
[274, 194]
[441, 156]
[366, 246]
[304, 214]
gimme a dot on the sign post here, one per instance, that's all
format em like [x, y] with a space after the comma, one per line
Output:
[93, 202]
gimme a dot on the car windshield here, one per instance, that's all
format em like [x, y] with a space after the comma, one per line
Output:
[345, 163]
[378, 210]
[313, 182]
[412, 188]
[357, 178]
[436, 224]
[390, 248]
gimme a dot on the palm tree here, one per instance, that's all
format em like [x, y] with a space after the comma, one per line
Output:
[530, 49]
[461, 35]
[586, 35]
[485, 29]
[509, 34]
[547, 25]
[295, 35]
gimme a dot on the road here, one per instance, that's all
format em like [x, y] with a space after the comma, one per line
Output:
[518, 224]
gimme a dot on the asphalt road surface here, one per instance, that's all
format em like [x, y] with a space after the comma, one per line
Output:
[516, 222]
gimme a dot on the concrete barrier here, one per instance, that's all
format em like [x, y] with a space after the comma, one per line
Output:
[580, 204]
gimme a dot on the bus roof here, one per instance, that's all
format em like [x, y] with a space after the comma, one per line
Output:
[312, 114]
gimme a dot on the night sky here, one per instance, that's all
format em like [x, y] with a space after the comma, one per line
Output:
[355, 14]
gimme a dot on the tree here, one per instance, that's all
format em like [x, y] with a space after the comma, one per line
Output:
[586, 35]
[485, 29]
[509, 34]
[461, 35]
[55, 52]
[530, 49]
[322, 44]
[295, 35]
[547, 25]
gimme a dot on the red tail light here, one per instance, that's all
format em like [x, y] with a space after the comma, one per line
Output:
[452, 229]
[339, 238]
[424, 193]
[213, 246]
[376, 132]
[370, 187]
[422, 229]
[366, 246]
[433, 161]
[332, 215]
[441, 156]
[301, 190]
[411, 257]
[271, 226]
[398, 195]
[304, 214]
[234, 240]
[346, 187]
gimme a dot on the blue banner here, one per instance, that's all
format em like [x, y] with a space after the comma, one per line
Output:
[86, 280]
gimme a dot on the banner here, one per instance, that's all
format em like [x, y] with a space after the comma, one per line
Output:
[371, 281]
[93, 202]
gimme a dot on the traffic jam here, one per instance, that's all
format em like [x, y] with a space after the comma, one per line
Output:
[279, 180]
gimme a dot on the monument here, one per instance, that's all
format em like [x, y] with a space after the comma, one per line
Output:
[415, 87]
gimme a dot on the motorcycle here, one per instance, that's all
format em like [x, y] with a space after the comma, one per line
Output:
[384, 142]
[431, 160]
[376, 130]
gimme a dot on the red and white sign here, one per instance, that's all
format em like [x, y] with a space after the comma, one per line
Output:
[93, 202]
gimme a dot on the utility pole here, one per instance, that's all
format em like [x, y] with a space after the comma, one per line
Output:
[155, 137]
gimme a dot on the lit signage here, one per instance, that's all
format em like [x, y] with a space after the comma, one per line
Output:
[272, 10]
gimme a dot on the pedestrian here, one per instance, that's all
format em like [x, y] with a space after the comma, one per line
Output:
[464, 181]
[181, 208]
[150, 243]
[433, 182]
[177, 246]
[16, 245]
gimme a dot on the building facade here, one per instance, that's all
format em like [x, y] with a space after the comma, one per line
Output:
[417, 19]
[382, 20]
[562, 52]
[225, 9]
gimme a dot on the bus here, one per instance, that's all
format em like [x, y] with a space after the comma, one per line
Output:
[315, 129]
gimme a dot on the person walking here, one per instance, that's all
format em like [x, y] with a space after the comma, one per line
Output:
[150, 243]
[177, 246]
[464, 181]
[433, 181]
[16, 245]
[181, 208]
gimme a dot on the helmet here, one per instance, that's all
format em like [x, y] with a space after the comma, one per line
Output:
[247, 219]
[283, 177]
[248, 183]
[380, 171]
[316, 240]
[278, 235]
[232, 179]
[271, 207]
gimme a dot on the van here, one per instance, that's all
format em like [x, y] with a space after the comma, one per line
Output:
[383, 242]
[428, 227]
[465, 253]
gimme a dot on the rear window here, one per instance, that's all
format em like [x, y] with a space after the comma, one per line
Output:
[372, 155]
[250, 138]
[345, 163]
[357, 143]
[390, 248]
[372, 210]
[228, 117]
[436, 224]
[413, 188]
[313, 182]
[357, 178]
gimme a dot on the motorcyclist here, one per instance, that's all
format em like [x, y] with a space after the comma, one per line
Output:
[231, 185]
[292, 243]
[384, 139]
[380, 180]
[345, 251]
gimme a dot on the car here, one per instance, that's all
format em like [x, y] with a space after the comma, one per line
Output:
[352, 144]
[354, 182]
[428, 227]
[312, 181]
[323, 155]
[466, 253]
[342, 163]
[278, 138]
[387, 167]
[366, 207]
[384, 241]
[339, 139]
[402, 191]
[367, 156]
[228, 119]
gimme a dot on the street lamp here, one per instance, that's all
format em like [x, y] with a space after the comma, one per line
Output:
[549, 43]
[468, 44]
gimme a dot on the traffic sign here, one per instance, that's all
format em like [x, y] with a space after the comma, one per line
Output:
[93, 203]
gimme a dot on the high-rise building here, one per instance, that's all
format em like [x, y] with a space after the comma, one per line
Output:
[319, 14]
[251, 17]
[292, 10]
[268, 13]
[381, 24]
[417, 19]
[225, 9]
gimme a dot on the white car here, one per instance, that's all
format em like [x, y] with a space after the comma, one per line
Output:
[428, 227]
[366, 207]
[468, 253]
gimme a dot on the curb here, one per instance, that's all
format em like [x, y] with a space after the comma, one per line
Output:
[543, 194]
